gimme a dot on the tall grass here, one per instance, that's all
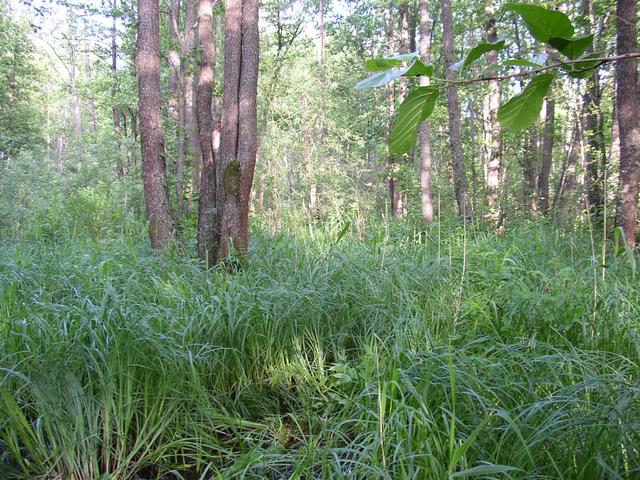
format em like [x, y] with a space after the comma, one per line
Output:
[372, 358]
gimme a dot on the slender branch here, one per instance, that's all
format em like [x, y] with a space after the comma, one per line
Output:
[598, 61]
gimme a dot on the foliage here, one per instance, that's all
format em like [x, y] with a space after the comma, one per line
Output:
[20, 119]
[548, 26]
[454, 361]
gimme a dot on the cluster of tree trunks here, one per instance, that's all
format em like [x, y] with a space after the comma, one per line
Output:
[226, 177]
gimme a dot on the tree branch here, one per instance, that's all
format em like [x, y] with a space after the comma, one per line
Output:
[598, 61]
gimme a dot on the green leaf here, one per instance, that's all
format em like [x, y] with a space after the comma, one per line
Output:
[385, 72]
[582, 69]
[461, 450]
[476, 52]
[381, 78]
[416, 108]
[572, 47]
[418, 69]
[524, 109]
[484, 469]
[386, 63]
[382, 64]
[543, 24]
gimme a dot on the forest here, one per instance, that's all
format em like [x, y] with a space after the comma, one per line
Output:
[319, 239]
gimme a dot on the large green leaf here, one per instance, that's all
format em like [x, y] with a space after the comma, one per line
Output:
[543, 24]
[381, 78]
[524, 109]
[386, 63]
[418, 69]
[582, 69]
[385, 71]
[476, 52]
[572, 47]
[416, 108]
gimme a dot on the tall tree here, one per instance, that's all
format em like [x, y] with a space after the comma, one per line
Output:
[426, 195]
[547, 156]
[391, 99]
[73, 83]
[173, 59]
[594, 149]
[492, 103]
[563, 199]
[453, 106]
[153, 164]
[91, 105]
[208, 223]
[114, 85]
[627, 105]
[529, 173]
[189, 122]
[238, 135]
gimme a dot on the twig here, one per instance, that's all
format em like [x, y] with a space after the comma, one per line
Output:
[598, 61]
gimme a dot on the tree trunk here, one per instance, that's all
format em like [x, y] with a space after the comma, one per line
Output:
[492, 105]
[628, 121]
[563, 200]
[208, 222]
[453, 107]
[391, 98]
[173, 60]
[176, 100]
[91, 107]
[308, 159]
[547, 156]
[399, 200]
[75, 100]
[238, 138]
[529, 172]
[591, 107]
[114, 87]
[426, 195]
[153, 163]
[321, 41]
[189, 119]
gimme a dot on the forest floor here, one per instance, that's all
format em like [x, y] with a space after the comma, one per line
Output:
[446, 353]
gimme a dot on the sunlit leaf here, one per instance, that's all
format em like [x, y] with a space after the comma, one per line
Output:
[524, 109]
[543, 24]
[582, 69]
[387, 74]
[572, 47]
[416, 108]
[476, 52]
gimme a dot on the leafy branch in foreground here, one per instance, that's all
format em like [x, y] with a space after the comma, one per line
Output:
[550, 27]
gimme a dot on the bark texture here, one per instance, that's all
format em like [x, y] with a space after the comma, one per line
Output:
[594, 148]
[208, 223]
[426, 194]
[492, 104]
[627, 106]
[153, 164]
[529, 173]
[547, 156]
[114, 86]
[238, 135]
[453, 107]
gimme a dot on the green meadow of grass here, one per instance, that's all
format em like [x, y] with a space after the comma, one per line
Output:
[400, 355]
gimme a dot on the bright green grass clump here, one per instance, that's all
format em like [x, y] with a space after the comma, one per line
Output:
[394, 356]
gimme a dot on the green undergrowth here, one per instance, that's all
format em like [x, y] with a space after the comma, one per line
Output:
[402, 354]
